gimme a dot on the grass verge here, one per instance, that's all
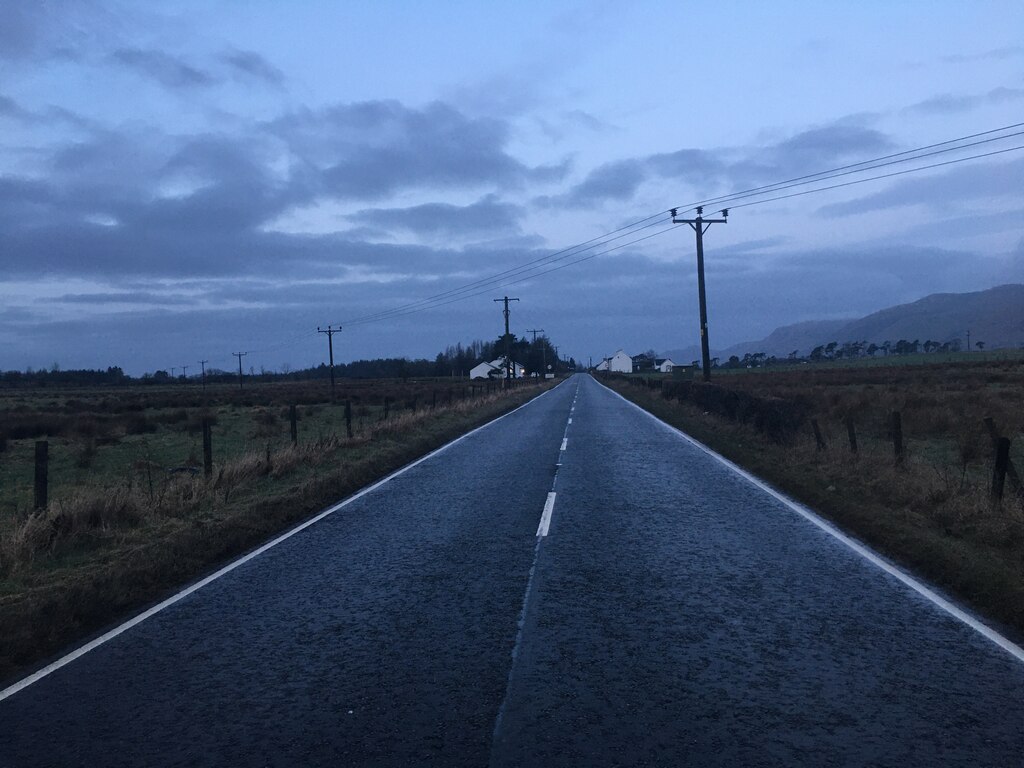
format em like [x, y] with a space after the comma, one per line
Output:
[913, 514]
[104, 553]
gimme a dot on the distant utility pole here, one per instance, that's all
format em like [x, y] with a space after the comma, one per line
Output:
[330, 347]
[508, 340]
[239, 355]
[968, 341]
[203, 363]
[173, 368]
[700, 226]
[543, 351]
[184, 371]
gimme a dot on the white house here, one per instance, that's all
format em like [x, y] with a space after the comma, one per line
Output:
[620, 362]
[602, 366]
[664, 364]
[496, 370]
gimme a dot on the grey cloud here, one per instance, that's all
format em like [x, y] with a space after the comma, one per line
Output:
[251, 65]
[809, 150]
[611, 181]
[371, 149]
[168, 70]
[997, 54]
[487, 215]
[950, 188]
[945, 104]
[134, 297]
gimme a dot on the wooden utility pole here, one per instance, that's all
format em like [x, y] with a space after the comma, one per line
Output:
[239, 355]
[508, 340]
[203, 364]
[330, 347]
[700, 226]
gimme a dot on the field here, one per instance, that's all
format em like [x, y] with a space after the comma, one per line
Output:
[931, 510]
[130, 513]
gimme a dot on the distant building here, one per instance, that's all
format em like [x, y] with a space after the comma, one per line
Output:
[664, 365]
[495, 369]
[620, 362]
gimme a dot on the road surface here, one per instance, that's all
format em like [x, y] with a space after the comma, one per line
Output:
[575, 584]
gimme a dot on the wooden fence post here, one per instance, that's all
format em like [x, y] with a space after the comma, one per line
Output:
[817, 435]
[999, 470]
[1011, 470]
[348, 418]
[897, 436]
[851, 432]
[207, 449]
[294, 419]
[42, 473]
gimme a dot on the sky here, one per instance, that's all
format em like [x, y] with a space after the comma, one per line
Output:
[184, 180]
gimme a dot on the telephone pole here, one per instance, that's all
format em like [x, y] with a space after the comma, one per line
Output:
[330, 347]
[184, 371]
[508, 340]
[239, 355]
[543, 351]
[700, 226]
[203, 363]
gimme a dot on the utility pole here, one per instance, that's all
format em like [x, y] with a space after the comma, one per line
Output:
[173, 368]
[330, 347]
[543, 351]
[184, 371]
[203, 363]
[508, 340]
[239, 355]
[700, 226]
[968, 340]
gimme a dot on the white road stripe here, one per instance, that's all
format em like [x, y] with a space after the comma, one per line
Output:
[92, 645]
[545, 518]
[565, 443]
[570, 419]
[872, 557]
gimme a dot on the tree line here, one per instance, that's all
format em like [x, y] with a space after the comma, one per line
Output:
[848, 350]
[455, 361]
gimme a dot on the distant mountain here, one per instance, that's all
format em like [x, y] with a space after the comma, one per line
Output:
[994, 316]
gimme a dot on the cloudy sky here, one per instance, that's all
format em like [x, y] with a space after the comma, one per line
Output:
[183, 180]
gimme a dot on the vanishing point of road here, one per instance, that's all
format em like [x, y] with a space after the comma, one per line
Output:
[575, 584]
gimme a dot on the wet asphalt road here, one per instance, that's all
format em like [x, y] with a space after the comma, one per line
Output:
[675, 614]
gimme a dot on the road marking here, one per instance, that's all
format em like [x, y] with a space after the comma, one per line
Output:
[96, 643]
[565, 443]
[545, 518]
[872, 557]
[570, 419]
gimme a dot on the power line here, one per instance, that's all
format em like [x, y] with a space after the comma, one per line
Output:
[825, 175]
[881, 176]
[814, 176]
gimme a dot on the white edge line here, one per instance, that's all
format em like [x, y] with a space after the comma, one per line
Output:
[565, 443]
[861, 549]
[545, 518]
[110, 635]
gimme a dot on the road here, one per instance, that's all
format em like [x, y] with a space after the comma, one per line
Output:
[575, 584]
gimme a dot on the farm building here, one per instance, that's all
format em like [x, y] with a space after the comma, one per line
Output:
[664, 365]
[496, 370]
[620, 362]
